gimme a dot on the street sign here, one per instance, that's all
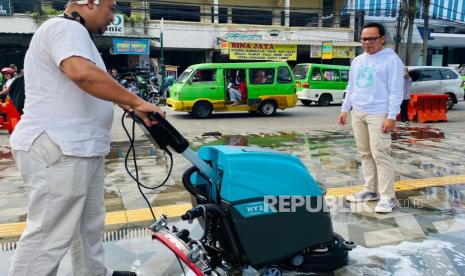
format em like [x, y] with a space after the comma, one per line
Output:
[116, 28]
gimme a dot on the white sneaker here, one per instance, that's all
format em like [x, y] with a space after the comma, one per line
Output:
[385, 205]
[362, 196]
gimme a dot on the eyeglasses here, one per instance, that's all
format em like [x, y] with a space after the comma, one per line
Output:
[369, 39]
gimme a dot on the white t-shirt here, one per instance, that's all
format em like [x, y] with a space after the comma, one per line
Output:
[79, 123]
[8, 83]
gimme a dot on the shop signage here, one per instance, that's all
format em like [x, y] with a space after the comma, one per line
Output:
[262, 51]
[338, 52]
[327, 50]
[344, 52]
[131, 46]
[117, 26]
[224, 48]
[5, 7]
[315, 51]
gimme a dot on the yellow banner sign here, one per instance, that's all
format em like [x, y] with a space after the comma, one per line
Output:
[262, 51]
[344, 52]
[338, 52]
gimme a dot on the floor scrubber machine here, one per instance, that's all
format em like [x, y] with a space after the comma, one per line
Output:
[261, 211]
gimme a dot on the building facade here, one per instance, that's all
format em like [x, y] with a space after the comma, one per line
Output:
[446, 39]
[199, 31]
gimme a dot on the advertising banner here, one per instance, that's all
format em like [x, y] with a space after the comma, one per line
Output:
[327, 50]
[131, 46]
[344, 52]
[224, 48]
[116, 28]
[262, 51]
[338, 52]
[315, 51]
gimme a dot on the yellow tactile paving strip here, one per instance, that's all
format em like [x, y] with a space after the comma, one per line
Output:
[132, 216]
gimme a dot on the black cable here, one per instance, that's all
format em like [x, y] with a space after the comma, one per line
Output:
[132, 150]
[180, 264]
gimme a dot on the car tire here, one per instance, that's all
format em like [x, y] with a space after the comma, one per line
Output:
[267, 108]
[202, 110]
[324, 100]
[450, 101]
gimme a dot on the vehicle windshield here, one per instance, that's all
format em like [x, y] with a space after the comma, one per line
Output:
[183, 77]
[301, 71]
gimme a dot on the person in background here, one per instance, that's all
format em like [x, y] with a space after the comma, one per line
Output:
[374, 94]
[15, 68]
[115, 75]
[406, 98]
[234, 94]
[9, 76]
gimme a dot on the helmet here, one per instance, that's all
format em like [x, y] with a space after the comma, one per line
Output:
[170, 79]
[8, 70]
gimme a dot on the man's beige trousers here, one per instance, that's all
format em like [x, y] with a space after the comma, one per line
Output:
[374, 148]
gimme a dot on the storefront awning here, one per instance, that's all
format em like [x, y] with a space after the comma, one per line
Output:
[447, 40]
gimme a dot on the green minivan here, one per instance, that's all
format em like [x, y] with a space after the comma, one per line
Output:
[264, 87]
[322, 84]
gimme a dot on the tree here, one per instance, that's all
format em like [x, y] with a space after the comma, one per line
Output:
[411, 11]
[426, 4]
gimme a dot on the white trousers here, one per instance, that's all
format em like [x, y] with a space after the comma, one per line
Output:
[374, 148]
[66, 211]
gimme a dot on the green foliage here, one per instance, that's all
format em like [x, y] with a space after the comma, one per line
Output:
[45, 14]
[134, 19]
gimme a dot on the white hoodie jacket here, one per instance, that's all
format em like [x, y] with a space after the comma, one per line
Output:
[376, 84]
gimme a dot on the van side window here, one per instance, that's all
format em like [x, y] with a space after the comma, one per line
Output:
[344, 75]
[262, 76]
[448, 74]
[284, 76]
[331, 75]
[316, 74]
[430, 74]
[205, 75]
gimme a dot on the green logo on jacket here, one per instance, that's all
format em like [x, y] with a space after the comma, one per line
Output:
[365, 77]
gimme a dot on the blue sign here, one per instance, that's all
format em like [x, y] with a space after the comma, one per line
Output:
[123, 46]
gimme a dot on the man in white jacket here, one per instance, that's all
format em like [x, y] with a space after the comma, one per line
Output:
[374, 93]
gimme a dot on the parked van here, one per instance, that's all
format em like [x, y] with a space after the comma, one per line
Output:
[321, 83]
[203, 88]
[437, 80]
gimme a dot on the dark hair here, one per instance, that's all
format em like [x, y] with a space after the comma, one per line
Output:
[381, 30]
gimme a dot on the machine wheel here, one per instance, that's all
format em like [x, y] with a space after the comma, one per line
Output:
[324, 100]
[450, 101]
[267, 108]
[306, 102]
[333, 256]
[271, 271]
[202, 110]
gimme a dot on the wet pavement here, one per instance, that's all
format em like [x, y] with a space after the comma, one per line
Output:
[425, 235]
